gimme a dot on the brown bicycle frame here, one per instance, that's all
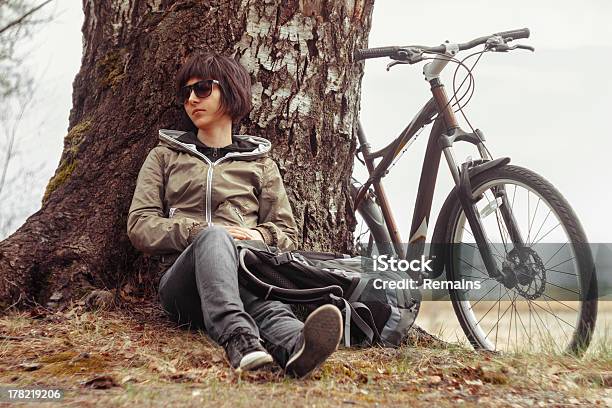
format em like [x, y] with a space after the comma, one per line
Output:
[444, 123]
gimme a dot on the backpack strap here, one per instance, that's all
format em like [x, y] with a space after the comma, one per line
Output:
[322, 256]
[374, 337]
[351, 315]
[347, 324]
[283, 258]
[358, 290]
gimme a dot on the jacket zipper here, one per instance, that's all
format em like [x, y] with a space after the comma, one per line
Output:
[238, 213]
[208, 198]
[209, 192]
[211, 165]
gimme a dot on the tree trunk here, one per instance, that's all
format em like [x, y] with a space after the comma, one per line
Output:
[306, 100]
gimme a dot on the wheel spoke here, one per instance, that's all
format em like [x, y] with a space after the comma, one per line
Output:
[541, 320]
[528, 211]
[558, 250]
[498, 320]
[533, 220]
[545, 235]
[491, 308]
[554, 315]
[556, 318]
[472, 266]
[560, 263]
[540, 333]
[498, 255]
[566, 273]
[561, 287]
[558, 301]
[483, 296]
[541, 226]
[498, 309]
[510, 326]
[523, 325]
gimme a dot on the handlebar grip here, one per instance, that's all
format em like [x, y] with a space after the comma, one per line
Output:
[366, 53]
[515, 34]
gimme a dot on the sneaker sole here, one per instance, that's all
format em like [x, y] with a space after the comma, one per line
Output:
[322, 334]
[255, 360]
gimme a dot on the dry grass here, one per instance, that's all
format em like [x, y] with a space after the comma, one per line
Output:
[137, 357]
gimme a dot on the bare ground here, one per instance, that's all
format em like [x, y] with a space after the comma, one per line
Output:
[136, 357]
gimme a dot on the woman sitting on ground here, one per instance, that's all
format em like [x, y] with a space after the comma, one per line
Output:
[199, 191]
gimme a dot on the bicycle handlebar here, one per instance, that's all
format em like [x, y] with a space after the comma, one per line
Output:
[515, 34]
[378, 52]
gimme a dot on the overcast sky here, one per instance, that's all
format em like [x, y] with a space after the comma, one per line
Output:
[546, 110]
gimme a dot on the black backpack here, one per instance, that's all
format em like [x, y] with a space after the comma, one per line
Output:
[372, 315]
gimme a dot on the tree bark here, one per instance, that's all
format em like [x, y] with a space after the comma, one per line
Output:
[306, 100]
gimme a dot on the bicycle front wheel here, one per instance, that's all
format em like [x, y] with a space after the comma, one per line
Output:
[552, 304]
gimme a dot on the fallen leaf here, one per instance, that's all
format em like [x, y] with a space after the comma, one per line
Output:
[30, 366]
[434, 379]
[128, 379]
[101, 382]
[181, 377]
[56, 296]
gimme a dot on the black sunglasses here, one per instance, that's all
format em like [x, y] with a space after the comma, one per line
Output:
[202, 89]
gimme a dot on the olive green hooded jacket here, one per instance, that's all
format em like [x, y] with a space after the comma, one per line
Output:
[179, 190]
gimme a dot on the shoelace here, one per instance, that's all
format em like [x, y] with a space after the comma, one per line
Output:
[243, 343]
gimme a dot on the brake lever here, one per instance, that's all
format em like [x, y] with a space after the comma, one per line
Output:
[406, 56]
[393, 63]
[523, 47]
[505, 47]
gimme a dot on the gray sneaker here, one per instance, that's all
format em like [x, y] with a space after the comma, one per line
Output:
[245, 352]
[320, 337]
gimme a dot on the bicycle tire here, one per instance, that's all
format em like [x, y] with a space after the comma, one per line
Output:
[581, 336]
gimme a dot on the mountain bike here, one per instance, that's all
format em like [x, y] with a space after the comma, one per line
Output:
[501, 224]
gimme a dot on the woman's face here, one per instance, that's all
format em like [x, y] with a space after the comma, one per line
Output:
[205, 112]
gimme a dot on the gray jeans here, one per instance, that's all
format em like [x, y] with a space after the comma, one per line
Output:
[201, 290]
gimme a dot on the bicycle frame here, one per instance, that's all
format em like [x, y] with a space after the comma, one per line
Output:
[390, 152]
[444, 132]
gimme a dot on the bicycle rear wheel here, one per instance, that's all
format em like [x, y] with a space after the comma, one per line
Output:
[553, 304]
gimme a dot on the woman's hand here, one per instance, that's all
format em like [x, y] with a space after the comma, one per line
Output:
[243, 233]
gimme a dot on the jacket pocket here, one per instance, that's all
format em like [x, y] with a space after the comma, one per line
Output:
[231, 213]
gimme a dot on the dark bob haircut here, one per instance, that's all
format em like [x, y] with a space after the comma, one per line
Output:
[234, 79]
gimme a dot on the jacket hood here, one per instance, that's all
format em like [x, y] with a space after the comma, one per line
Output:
[247, 146]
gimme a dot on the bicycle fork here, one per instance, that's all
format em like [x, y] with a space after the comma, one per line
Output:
[461, 176]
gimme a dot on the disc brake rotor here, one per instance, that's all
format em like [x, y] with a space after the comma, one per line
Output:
[530, 272]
